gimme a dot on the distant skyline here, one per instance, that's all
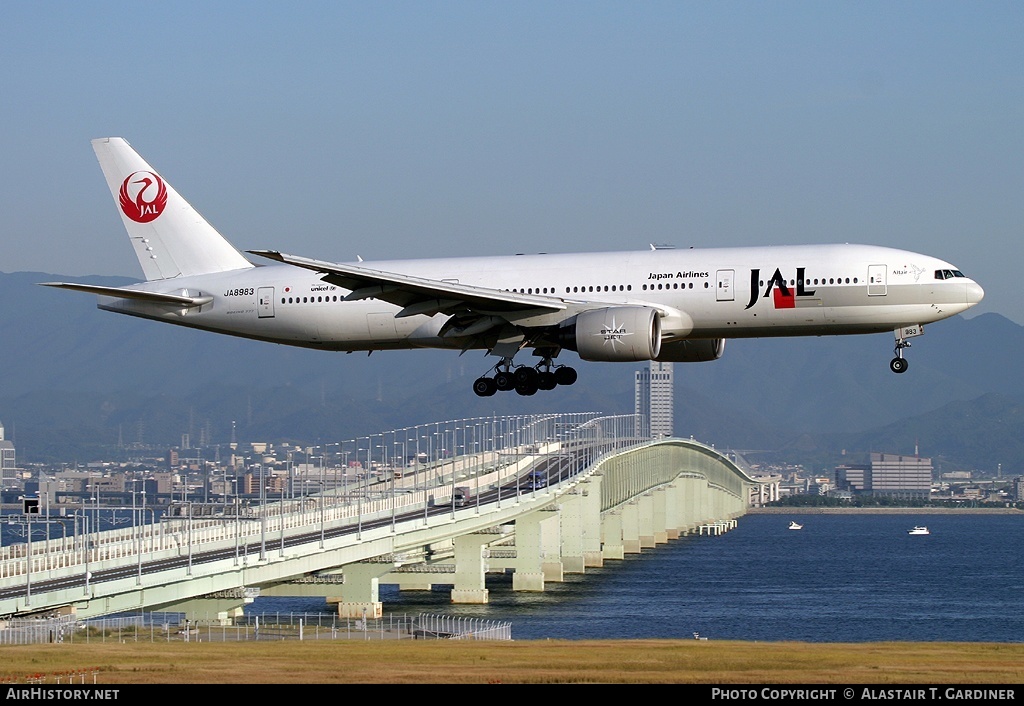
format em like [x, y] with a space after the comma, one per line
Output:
[340, 130]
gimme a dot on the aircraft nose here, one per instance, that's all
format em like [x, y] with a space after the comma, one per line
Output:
[974, 293]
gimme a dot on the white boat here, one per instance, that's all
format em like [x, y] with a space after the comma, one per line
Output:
[794, 525]
[919, 530]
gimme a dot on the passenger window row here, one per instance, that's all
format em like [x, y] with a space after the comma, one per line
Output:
[577, 289]
[673, 285]
[820, 280]
[310, 300]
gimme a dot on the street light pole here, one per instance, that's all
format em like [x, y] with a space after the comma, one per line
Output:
[263, 516]
[28, 560]
[280, 518]
[321, 499]
[138, 537]
[85, 527]
[189, 506]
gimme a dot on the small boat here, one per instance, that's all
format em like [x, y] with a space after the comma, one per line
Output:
[919, 530]
[794, 525]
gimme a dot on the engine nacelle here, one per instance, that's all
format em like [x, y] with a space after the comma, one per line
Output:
[692, 351]
[614, 334]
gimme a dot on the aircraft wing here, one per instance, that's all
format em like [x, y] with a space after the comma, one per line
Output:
[121, 293]
[417, 295]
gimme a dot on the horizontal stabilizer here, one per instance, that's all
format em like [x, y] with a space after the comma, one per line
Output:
[156, 297]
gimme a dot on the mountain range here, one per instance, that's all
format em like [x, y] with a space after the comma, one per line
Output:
[77, 383]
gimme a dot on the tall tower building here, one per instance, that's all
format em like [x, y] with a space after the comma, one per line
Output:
[8, 472]
[653, 401]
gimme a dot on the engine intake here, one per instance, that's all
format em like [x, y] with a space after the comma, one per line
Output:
[614, 334]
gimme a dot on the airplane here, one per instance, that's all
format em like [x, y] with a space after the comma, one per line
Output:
[659, 304]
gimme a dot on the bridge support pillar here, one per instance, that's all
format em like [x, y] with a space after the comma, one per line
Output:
[470, 568]
[528, 581]
[672, 511]
[645, 519]
[360, 594]
[551, 545]
[538, 550]
[572, 533]
[592, 555]
[611, 547]
[528, 574]
[631, 528]
[658, 502]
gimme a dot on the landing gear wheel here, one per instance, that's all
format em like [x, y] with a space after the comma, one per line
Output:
[527, 387]
[565, 376]
[527, 381]
[898, 364]
[525, 375]
[504, 381]
[484, 387]
[546, 381]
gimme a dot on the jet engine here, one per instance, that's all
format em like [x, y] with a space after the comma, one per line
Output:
[691, 351]
[614, 334]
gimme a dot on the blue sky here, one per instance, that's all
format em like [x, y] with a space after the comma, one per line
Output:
[416, 129]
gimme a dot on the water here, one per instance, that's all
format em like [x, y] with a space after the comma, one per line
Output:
[843, 578]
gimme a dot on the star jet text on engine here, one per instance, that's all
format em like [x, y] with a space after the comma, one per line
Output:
[613, 333]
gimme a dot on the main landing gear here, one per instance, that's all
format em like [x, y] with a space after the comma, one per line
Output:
[524, 379]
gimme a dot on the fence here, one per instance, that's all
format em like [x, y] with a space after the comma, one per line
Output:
[28, 631]
[168, 627]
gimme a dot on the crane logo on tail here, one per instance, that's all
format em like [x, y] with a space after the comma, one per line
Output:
[143, 196]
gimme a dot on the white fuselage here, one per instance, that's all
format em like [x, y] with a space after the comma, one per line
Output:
[717, 293]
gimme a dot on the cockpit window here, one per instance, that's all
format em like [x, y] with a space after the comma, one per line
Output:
[948, 274]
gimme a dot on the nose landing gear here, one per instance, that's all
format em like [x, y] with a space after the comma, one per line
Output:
[899, 363]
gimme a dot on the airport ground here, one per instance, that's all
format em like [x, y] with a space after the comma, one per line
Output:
[515, 662]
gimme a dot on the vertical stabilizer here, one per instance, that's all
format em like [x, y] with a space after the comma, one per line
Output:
[170, 238]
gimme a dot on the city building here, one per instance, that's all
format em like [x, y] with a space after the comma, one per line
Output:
[654, 401]
[894, 475]
[8, 468]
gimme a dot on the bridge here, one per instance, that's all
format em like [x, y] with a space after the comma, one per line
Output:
[539, 496]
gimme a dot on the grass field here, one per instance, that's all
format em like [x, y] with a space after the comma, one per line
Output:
[534, 662]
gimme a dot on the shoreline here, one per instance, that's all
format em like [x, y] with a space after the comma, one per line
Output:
[884, 511]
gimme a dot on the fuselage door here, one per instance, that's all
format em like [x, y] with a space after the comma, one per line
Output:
[724, 290]
[876, 280]
[265, 302]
